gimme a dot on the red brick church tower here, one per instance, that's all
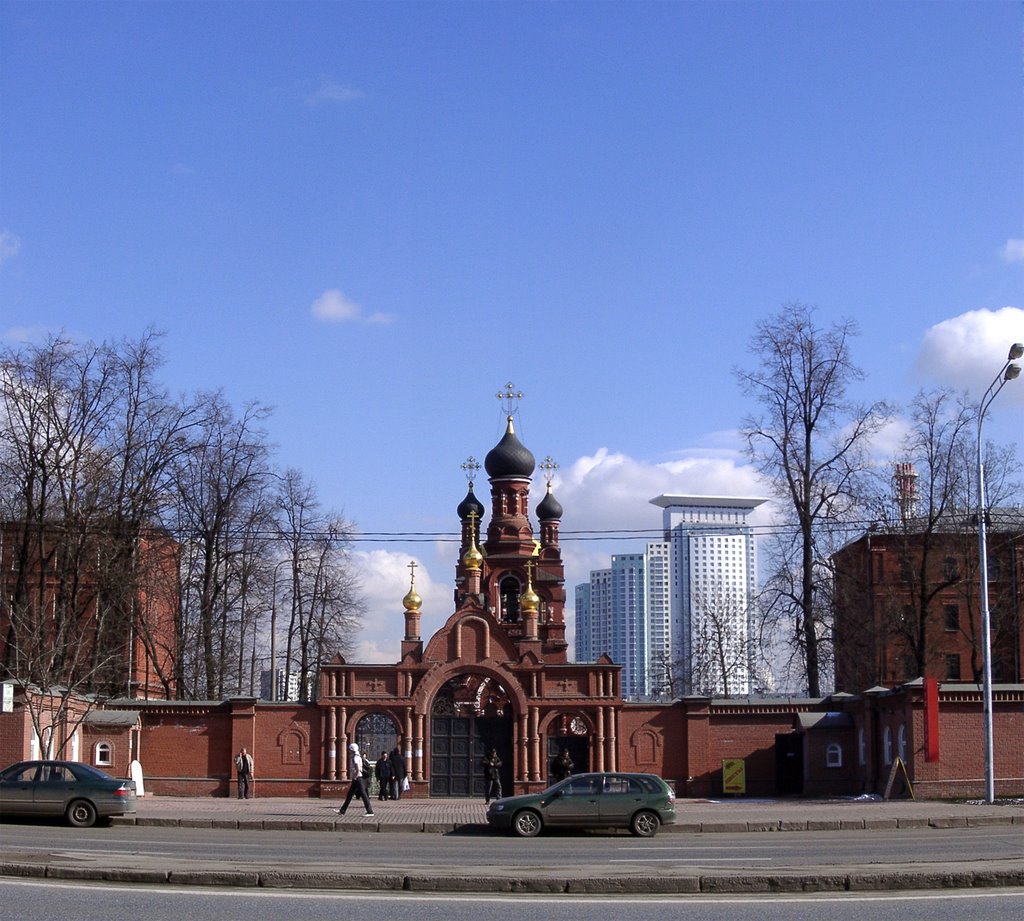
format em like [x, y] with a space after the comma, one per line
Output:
[496, 675]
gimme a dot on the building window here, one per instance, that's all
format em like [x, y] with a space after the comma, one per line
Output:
[951, 613]
[103, 754]
[834, 755]
[887, 745]
[510, 591]
[951, 569]
[953, 667]
[901, 741]
[861, 749]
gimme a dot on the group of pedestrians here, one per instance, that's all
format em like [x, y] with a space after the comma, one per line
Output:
[392, 776]
[390, 769]
[561, 767]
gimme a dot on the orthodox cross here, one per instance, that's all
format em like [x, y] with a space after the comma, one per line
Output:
[412, 572]
[469, 467]
[510, 398]
[549, 467]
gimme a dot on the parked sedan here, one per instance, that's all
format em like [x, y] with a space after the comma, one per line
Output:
[640, 802]
[79, 792]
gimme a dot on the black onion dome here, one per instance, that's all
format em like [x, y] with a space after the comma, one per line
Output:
[470, 504]
[509, 457]
[550, 508]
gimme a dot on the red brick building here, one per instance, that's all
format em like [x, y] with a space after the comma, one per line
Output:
[114, 630]
[907, 603]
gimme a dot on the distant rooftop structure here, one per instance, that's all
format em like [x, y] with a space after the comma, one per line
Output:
[672, 500]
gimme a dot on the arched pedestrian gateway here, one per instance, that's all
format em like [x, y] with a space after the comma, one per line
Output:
[496, 675]
[470, 715]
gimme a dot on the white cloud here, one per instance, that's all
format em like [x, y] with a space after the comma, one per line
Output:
[331, 91]
[967, 351]
[334, 307]
[9, 246]
[384, 575]
[1013, 251]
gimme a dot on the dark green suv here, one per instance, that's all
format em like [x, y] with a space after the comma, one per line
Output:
[640, 802]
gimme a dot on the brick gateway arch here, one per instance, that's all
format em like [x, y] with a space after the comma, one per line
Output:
[497, 672]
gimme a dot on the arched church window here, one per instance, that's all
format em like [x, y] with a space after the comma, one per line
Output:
[510, 591]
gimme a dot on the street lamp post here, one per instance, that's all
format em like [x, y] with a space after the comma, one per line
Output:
[1008, 372]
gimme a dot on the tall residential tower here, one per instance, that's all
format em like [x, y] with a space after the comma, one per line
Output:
[678, 617]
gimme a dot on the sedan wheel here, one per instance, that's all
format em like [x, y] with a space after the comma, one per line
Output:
[645, 824]
[527, 824]
[82, 814]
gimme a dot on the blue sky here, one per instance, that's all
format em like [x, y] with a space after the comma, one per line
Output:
[372, 215]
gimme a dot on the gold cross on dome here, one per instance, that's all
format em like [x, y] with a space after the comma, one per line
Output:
[510, 398]
[412, 572]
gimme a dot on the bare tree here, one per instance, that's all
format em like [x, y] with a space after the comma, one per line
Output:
[721, 655]
[935, 526]
[324, 602]
[220, 488]
[76, 504]
[809, 439]
[137, 532]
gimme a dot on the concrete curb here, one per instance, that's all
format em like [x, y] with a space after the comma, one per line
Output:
[779, 882]
[360, 824]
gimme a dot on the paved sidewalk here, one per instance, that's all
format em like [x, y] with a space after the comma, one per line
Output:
[440, 815]
[459, 816]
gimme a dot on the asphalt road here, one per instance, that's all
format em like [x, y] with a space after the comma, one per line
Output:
[483, 850]
[26, 900]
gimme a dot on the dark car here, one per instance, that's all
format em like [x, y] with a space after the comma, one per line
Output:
[79, 792]
[640, 802]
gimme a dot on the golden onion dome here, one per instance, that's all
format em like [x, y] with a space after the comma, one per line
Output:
[472, 559]
[412, 600]
[529, 600]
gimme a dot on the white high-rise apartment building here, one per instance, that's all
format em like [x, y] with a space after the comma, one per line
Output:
[714, 586]
[679, 616]
[614, 616]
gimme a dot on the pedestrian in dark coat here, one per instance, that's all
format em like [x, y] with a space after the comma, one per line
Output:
[491, 764]
[561, 767]
[383, 768]
[398, 772]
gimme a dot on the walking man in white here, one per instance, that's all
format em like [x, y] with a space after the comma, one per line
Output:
[358, 785]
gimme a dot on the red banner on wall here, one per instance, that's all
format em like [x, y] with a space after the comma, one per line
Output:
[931, 719]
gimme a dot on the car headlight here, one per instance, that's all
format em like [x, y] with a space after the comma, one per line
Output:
[497, 807]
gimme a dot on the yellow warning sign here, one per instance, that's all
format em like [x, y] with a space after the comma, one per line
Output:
[734, 775]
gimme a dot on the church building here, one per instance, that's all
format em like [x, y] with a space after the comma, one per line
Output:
[497, 674]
